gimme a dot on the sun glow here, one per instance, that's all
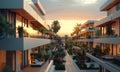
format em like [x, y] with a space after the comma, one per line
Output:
[88, 1]
[67, 26]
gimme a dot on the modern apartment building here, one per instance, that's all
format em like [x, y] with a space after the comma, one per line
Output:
[26, 17]
[107, 38]
[86, 34]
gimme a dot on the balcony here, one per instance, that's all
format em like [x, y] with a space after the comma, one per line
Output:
[109, 4]
[109, 66]
[87, 31]
[25, 8]
[22, 43]
[90, 30]
[108, 40]
[106, 4]
[39, 6]
[108, 19]
[84, 40]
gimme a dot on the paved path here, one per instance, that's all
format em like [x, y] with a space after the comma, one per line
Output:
[70, 65]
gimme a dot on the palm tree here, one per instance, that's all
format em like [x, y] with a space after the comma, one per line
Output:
[55, 26]
[76, 30]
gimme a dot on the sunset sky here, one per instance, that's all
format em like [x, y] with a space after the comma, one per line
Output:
[71, 12]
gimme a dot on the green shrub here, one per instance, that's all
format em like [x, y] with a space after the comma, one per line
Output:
[81, 65]
[7, 69]
[59, 67]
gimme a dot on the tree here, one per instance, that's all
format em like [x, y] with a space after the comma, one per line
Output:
[76, 30]
[106, 51]
[42, 30]
[55, 26]
[5, 27]
[20, 31]
[97, 51]
[68, 43]
[7, 69]
[84, 49]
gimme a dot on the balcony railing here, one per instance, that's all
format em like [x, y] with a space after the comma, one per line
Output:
[50, 67]
[84, 40]
[22, 43]
[108, 19]
[110, 40]
[106, 64]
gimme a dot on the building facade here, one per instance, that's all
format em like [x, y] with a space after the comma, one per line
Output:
[105, 38]
[86, 34]
[24, 18]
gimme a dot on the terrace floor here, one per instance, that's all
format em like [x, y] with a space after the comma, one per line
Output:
[36, 69]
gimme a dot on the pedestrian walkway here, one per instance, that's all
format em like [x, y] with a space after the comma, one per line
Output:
[70, 65]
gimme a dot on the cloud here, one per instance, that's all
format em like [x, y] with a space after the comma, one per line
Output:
[73, 9]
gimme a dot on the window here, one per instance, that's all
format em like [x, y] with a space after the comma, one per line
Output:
[118, 6]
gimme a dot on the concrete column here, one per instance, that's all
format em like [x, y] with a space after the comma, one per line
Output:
[14, 60]
[39, 49]
[116, 49]
[112, 50]
[25, 58]
[101, 31]
[22, 60]
[18, 61]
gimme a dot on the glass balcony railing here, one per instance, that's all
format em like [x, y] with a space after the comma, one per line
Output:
[105, 61]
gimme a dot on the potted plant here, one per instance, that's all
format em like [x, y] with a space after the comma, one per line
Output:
[20, 31]
[97, 51]
[59, 61]
[7, 69]
[106, 51]
[42, 31]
